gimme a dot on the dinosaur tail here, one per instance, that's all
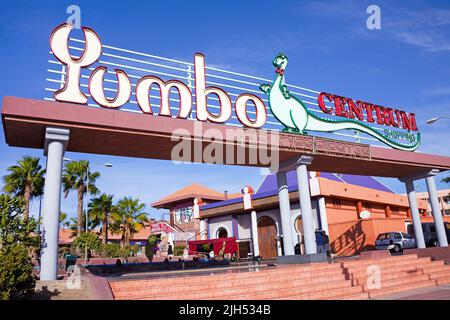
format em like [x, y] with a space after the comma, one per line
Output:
[353, 125]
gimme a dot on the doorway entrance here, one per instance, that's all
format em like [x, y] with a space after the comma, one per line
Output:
[267, 238]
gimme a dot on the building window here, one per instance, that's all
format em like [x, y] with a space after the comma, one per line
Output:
[367, 206]
[222, 233]
[183, 215]
[336, 202]
[299, 225]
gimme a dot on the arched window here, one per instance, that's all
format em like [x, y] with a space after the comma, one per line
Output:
[222, 233]
[299, 225]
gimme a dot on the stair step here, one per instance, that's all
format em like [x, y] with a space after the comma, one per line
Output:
[398, 257]
[222, 292]
[395, 268]
[343, 280]
[401, 274]
[389, 265]
[327, 295]
[213, 284]
[409, 257]
[330, 270]
[405, 287]
[399, 282]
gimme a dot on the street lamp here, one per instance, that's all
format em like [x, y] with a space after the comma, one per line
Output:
[106, 164]
[430, 121]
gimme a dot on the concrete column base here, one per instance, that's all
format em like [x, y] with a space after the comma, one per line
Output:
[302, 258]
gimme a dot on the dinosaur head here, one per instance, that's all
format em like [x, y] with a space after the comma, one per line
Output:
[280, 61]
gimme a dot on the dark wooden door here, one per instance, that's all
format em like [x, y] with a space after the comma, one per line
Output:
[267, 232]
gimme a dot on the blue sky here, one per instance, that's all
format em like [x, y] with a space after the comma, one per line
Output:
[405, 64]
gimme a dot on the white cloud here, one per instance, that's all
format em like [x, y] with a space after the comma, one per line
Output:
[423, 26]
[438, 91]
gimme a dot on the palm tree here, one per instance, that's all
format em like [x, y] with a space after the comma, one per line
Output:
[128, 217]
[446, 179]
[99, 210]
[62, 220]
[75, 178]
[26, 179]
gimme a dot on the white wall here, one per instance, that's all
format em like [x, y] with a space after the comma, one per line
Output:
[244, 226]
[244, 222]
[220, 222]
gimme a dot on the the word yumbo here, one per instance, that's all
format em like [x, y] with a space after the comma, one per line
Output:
[71, 91]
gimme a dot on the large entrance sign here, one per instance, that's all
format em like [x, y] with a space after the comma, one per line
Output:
[115, 101]
[71, 92]
[288, 109]
[296, 117]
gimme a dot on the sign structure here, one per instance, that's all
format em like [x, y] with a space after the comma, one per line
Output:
[296, 118]
[392, 127]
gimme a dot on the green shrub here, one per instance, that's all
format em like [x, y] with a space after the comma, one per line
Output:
[108, 250]
[113, 250]
[16, 279]
[178, 250]
[150, 248]
[134, 249]
[87, 240]
[16, 236]
[206, 247]
[152, 240]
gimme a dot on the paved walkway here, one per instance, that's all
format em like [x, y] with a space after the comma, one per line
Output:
[441, 292]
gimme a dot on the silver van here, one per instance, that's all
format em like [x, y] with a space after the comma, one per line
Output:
[395, 241]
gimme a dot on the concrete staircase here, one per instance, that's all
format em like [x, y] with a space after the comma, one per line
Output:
[396, 274]
[341, 280]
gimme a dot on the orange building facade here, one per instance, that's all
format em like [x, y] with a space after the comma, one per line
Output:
[352, 215]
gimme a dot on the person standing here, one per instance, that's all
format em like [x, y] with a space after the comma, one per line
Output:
[186, 254]
[326, 243]
[170, 251]
[319, 242]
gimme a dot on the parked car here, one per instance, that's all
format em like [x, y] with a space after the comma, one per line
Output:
[395, 241]
[429, 233]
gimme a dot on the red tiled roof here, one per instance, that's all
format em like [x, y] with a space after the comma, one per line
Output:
[65, 236]
[142, 234]
[190, 192]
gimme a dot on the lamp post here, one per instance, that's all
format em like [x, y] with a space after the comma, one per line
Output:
[106, 164]
[430, 121]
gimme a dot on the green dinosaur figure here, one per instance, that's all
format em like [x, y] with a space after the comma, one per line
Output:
[296, 118]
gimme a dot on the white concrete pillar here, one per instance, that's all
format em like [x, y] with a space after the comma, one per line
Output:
[55, 144]
[437, 215]
[285, 214]
[279, 246]
[417, 224]
[305, 205]
[255, 234]
[323, 215]
[203, 231]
